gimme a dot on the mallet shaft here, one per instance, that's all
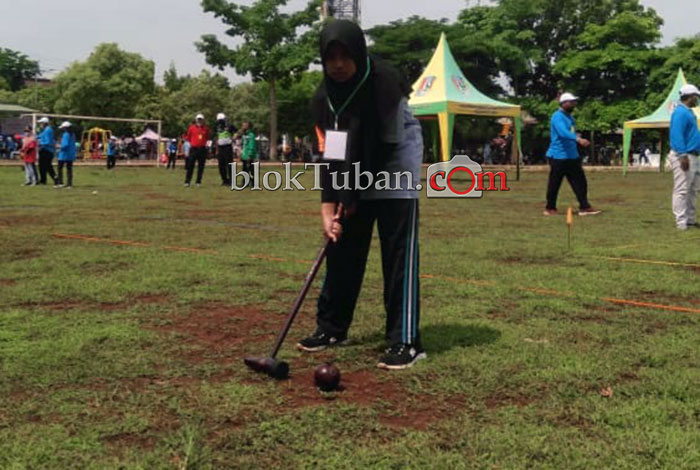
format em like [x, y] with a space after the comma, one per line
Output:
[300, 298]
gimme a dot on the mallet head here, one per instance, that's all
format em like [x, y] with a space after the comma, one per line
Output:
[268, 365]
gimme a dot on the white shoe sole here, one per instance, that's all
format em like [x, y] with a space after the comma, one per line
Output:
[301, 347]
[419, 357]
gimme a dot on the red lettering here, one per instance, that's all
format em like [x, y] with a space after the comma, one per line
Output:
[433, 181]
[455, 170]
[492, 181]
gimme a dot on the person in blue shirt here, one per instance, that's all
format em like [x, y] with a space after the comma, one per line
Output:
[47, 148]
[685, 148]
[112, 153]
[11, 146]
[172, 154]
[564, 160]
[66, 155]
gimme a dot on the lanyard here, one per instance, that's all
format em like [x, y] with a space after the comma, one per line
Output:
[352, 95]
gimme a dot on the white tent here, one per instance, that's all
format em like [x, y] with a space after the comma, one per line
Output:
[148, 135]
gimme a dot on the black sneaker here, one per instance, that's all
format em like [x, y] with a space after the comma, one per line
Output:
[401, 356]
[318, 342]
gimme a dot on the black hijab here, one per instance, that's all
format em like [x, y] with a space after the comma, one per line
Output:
[379, 95]
[373, 107]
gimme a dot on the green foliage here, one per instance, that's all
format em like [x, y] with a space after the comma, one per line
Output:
[294, 97]
[110, 82]
[248, 102]
[275, 45]
[685, 54]
[173, 81]
[206, 94]
[15, 68]
[407, 44]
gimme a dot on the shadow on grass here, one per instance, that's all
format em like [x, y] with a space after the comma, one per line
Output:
[438, 339]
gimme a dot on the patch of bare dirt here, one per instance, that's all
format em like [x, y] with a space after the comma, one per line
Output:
[152, 298]
[380, 390]
[23, 219]
[7, 282]
[24, 254]
[130, 440]
[221, 332]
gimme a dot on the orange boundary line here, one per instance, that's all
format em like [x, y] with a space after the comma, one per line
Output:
[674, 308]
[646, 261]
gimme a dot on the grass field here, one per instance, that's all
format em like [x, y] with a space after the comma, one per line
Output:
[124, 316]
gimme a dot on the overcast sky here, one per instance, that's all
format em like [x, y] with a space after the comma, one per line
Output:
[59, 32]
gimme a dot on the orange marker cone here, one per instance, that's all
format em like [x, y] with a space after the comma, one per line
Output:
[569, 223]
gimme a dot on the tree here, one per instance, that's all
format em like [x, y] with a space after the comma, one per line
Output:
[409, 44]
[248, 102]
[273, 49]
[207, 94]
[15, 69]
[533, 36]
[173, 81]
[685, 54]
[610, 67]
[110, 82]
[294, 99]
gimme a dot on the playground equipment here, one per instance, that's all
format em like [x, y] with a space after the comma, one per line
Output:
[93, 143]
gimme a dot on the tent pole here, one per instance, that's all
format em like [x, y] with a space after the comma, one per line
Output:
[662, 151]
[514, 150]
[160, 125]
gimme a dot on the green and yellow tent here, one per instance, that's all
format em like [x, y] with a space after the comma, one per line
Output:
[443, 92]
[659, 119]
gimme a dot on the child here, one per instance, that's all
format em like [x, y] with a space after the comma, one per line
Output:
[66, 155]
[29, 156]
[172, 154]
[365, 102]
[112, 153]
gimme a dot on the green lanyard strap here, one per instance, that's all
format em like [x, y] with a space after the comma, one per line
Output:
[350, 98]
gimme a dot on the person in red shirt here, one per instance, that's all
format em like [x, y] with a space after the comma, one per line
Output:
[198, 136]
[28, 152]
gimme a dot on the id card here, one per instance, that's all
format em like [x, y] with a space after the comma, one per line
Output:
[336, 146]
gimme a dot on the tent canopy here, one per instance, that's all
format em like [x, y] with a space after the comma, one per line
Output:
[14, 109]
[659, 119]
[443, 91]
[148, 135]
